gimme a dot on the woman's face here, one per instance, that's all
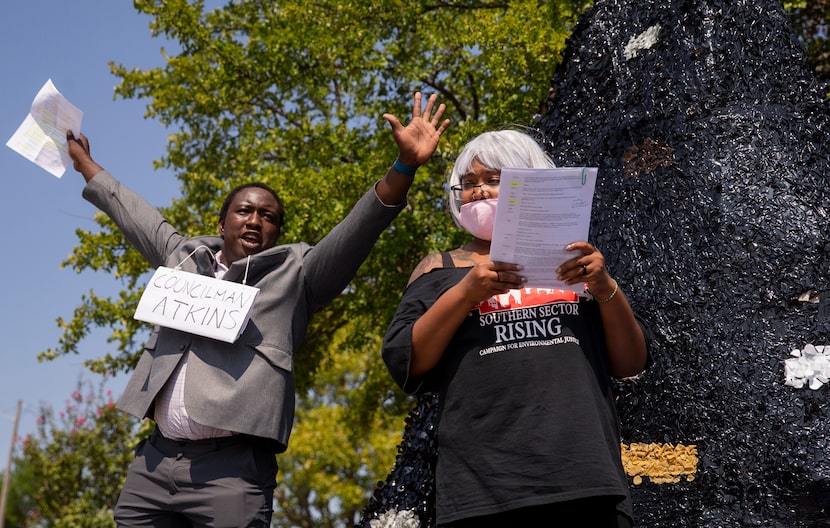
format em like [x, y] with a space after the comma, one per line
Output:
[479, 183]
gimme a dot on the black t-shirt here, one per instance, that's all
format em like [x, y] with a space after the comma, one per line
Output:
[527, 410]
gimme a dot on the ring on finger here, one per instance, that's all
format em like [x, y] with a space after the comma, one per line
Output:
[584, 269]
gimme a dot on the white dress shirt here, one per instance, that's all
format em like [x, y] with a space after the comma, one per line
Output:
[170, 414]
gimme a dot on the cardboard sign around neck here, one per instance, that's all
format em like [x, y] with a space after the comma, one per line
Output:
[198, 304]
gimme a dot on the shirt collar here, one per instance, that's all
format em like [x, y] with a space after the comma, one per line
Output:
[219, 269]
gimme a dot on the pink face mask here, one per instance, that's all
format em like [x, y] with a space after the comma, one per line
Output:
[478, 217]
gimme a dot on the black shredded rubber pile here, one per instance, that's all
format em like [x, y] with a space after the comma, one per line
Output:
[712, 136]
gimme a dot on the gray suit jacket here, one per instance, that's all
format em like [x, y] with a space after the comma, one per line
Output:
[247, 386]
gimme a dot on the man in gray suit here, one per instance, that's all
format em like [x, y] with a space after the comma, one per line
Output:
[223, 410]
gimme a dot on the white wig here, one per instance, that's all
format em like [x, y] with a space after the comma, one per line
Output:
[496, 150]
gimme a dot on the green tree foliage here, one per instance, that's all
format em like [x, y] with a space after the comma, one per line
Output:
[70, 473]
[811, 20]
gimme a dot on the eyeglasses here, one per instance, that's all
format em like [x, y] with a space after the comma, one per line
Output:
[469, 187]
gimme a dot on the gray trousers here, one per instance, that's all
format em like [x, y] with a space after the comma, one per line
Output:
[219, 483]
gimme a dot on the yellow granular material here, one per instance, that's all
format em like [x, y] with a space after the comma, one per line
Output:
[659, 463]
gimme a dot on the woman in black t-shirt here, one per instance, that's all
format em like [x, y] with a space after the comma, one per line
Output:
[528, 433]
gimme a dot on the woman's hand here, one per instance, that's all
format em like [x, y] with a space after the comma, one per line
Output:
[486, 279]
[588, 268]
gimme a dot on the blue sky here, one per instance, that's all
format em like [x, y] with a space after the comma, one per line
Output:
[70, 43]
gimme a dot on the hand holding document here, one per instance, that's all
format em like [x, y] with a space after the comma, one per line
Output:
[540, 211]
[41, 137]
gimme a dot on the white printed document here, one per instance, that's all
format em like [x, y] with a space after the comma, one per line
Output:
[540, 211]
[41, 138]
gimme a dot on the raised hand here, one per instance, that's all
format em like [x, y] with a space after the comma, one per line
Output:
[418, 140]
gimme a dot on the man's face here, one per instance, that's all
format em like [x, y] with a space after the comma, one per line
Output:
[251, 224]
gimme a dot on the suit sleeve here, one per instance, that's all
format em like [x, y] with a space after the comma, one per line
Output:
[140, 223]
[333, 262]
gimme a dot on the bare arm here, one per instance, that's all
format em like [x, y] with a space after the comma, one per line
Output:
[433, 331]
[623, 336]
[626, 344]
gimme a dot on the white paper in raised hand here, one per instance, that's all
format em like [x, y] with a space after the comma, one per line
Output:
[41, 138]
